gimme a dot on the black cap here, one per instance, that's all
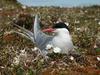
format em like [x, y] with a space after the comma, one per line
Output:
[61, 25]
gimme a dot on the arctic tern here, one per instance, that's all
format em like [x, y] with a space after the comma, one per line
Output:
[61, 38]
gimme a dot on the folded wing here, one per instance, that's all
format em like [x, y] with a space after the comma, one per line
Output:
[40, 38]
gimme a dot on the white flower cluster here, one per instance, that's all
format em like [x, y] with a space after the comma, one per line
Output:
[17, 59]
[56, 50]
[50, 48]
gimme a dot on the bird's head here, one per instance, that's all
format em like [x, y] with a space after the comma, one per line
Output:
[57, 28]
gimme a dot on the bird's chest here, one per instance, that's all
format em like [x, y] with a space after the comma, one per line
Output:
[60, 41]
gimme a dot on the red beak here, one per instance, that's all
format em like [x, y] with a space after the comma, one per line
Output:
[48, 30]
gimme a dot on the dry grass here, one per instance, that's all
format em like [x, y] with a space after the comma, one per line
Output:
[17, 53]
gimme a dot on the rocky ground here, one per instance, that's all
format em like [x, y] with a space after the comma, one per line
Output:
[19, 56]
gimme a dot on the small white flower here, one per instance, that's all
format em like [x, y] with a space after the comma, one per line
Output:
[71, 58]
[99, 22]
[59, 20]
[23, 51]
[67, 23]
[8, 16]
[16, 60]
[78, 29]
[2, 67]
[1, 9]
[95, 46]
[56, 50]
[77, 22]
[98, 58]
[96, 19]
[24, 7]
[14, 18]
[49, 46]
[85, 11]
[52, 63]
[34, 49]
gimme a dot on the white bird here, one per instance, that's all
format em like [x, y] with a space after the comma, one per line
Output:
[61, 39]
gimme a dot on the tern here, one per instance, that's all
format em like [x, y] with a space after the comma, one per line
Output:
[61, 38]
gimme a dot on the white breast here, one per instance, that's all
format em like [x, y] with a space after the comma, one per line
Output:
[63, 40]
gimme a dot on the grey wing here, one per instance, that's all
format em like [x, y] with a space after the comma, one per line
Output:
[28, 34]
[41, 38]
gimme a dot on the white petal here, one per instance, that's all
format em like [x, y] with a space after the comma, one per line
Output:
[98, 58]
[78, 29]
[56, 50]
[99, 23]
[23, 51]
[67, 23]
[2, 66]
[35, 49]
[1, 9]
[49, 46]
[24, 7]
[71, 58]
